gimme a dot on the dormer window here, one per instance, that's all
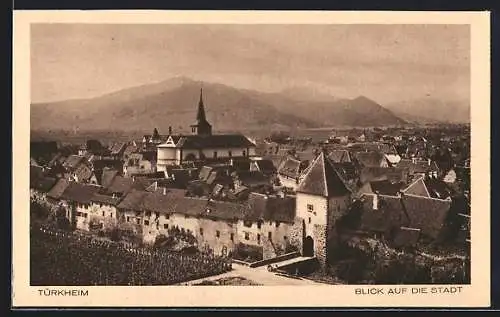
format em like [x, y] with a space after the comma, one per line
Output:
[310, 208]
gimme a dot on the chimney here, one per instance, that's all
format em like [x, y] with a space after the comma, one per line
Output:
[375, 201]
[164, 190]
[169, 130]
[429, 162]
[133, 178]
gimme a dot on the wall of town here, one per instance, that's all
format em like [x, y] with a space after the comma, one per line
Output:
[217, 235]
[275, 231]
[297, 233]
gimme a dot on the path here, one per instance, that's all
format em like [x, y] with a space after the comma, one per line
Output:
[259, 275]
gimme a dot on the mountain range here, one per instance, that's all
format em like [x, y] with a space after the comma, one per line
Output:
[174, 103]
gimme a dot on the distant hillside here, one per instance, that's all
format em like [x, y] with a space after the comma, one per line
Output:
[174, 103]
[432, 110]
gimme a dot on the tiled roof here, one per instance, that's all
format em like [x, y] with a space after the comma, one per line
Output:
[323, 180]
[265, 166]
[417, 188]
[58, 189]
[405, 237]
[370, 159]
[394, 174]
[427, 214]
[107, 163]
[117, 147]
[214, 141]
[382, 215]
[270, 208]
[79, 192]
[123, 185]
[339, 156]
[290, 167]
[43, 184]
[252, 178]
[73, 161]
[107, 177]
[105, 199]
[419, 166]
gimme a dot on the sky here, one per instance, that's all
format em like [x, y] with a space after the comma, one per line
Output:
[386, 63]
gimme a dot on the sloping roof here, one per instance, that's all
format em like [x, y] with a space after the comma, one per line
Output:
[107, 163]
[417, 188]
[117, 147]
[83, 172]
[123, 185]
[386, 187]
[427, 214]
[323, 180]
[394, 174]
[252, 178]
[73, 161]
[79, 192]
[204, 172]
[437, 188]
[107, 177]
[265, 166]
[419, 166]
[133, 200]
[339, 156]
[370, 159]
[58, 189]
[290, 167]
[270, 208]
[105, 199]
[43, 184]
[382, 213]
[214, 141]
[405, 237]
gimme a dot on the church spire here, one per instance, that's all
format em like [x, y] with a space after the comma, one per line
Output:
[201, 108]
[201, 127]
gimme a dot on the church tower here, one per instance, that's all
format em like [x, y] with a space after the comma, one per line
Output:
[201, 126]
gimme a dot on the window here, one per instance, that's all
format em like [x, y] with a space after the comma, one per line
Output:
[157, 226]
[309, 219]
[215, 154]
[232, 236]
[84, 215]
[157, 214]
[247, 224]
[103, 214]
[244, 153]
[247, 236]
[310, 208]
[128, 219]
[270, 236]
[148, 213]
[229, 153]
[217, 234]
[165, 226]
[138, 221]
[258, 238]
[285, 238]
[201, 231]
[277, 224]
[167, 216]
[259, 224]
[111, 215]
[146, 222]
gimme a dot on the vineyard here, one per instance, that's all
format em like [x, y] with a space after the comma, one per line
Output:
[64, 258]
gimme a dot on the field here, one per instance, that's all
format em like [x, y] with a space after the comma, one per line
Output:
[62, 258]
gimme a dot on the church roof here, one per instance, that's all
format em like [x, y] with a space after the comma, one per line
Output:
[214, 141]
[323, 180]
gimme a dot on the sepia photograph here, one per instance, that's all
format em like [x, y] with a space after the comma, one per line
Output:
[238, 154]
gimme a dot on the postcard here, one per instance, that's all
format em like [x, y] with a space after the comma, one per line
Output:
[251, 159]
